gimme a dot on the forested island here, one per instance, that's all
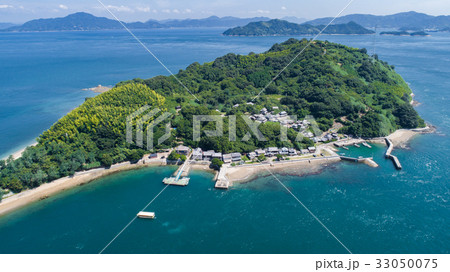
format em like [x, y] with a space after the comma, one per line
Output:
[278, 27]
[334, 83]
[405, 33]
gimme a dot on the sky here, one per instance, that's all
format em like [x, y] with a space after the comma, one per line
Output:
[19, 11]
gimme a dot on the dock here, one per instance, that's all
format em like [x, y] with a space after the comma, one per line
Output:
[184, 181]
[369, 161]
[178, 180]
[222, 181]
[366, 145]
[388, 154]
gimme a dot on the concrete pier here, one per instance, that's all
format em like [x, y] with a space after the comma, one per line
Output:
[388, 155]
[222, 181]
[368, 161]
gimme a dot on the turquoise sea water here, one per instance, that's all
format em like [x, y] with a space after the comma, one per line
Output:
[371, 210]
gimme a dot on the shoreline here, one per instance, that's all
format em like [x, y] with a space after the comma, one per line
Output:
[237, 174]
[19, 152]
[47, 190]
[247, 173]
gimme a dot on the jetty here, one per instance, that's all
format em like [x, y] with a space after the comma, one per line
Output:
[388, 154]
[222, 181]
[368, 161]
[178, 179]
[366, 145]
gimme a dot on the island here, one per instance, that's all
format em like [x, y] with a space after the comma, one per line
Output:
[405, 33]
[278, 27]
[347, 92]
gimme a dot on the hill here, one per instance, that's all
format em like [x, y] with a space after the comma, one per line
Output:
[332, 82]
[85, 21]
[411, 20]
[278, 27]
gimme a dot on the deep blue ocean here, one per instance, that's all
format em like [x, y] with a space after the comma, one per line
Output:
[371, 210]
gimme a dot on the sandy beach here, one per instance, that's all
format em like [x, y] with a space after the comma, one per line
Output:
[239, 174]
[48, 189]
[19, 153]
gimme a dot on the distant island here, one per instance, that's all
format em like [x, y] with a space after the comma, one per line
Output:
[82, 21]
[405, 33]
[278, 27]
[411, 20]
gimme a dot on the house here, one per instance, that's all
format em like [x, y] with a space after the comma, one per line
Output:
[250, 103]
[235, 106]
[304, 151]
[197, 154]
[217, 155]
[260, 152]
[275, 108]
[207, 155]
[251, 155]
[178, 107]
[312, 149]
[283, 113]
[292, 152]
[226, 158]
[284, 151]
[271, 151]
[153, 155]
[182, 150]
[264, 111]
[235, 157]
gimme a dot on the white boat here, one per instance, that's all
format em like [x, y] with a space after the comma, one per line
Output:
[147, 215]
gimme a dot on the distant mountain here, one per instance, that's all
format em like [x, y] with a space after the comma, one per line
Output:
[411, 20]
[278, 27]
[212, 21]
[86, 21]
[6, 25]
[76, 21]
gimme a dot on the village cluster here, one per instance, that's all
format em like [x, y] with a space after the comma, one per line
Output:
[199, 155]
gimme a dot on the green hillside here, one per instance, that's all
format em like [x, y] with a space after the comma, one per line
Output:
[332, 82]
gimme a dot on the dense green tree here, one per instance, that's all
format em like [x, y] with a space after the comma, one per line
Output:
[216, 163]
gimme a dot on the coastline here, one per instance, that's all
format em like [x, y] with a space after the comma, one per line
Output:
[237, 174]
[19, 152]
[246, 173]
[46, 190]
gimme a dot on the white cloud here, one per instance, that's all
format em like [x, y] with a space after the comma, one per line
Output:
[120, 8]
[144, 9]
[283, 8]
[166, 11]
[187, 11]
[5, 6]
[63, 7]
[176, 11]
[260, 11]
